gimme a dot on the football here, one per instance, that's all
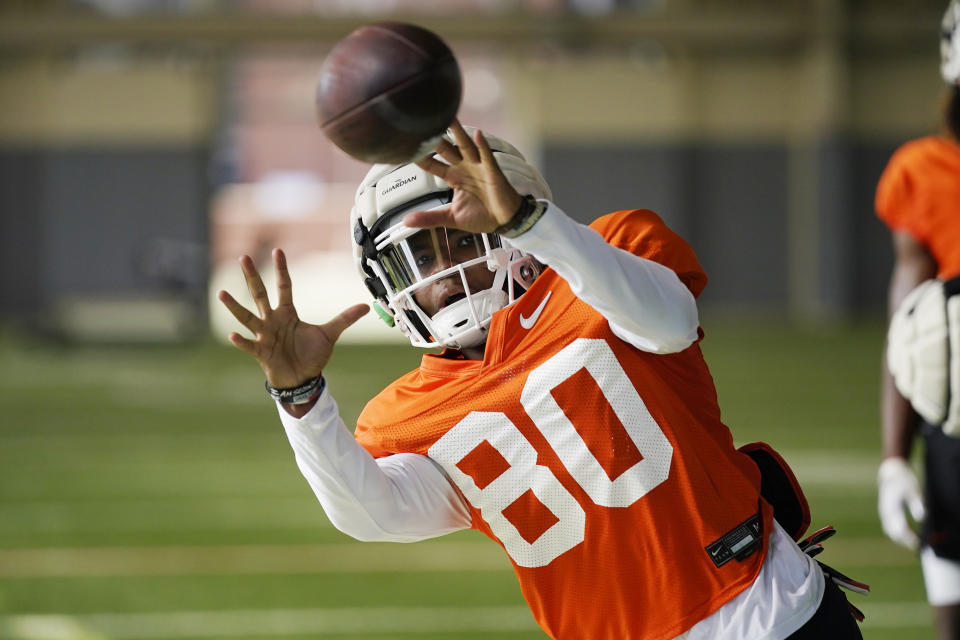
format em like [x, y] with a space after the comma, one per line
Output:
[387, 92]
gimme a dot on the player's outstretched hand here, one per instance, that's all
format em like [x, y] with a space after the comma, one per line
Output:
[289, 350]
[483, 199]
[898, 493]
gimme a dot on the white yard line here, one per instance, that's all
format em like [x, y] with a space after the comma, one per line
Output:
[833, 468]
[845, 553]
[345, 620]
[251, 559]
[848, 553]
[266, 623]
[887, 615]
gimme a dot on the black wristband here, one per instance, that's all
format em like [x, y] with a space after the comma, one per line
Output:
[301, 394]
[529, 211]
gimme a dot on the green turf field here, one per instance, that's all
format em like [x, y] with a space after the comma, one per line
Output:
[150, 493]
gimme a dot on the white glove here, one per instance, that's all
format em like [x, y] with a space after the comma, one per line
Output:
[898, 492]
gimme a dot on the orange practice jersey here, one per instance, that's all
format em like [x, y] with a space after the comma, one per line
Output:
[603, 471]
[919, 193]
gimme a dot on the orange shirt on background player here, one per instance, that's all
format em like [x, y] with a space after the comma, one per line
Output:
[604, 471]
[919, 193]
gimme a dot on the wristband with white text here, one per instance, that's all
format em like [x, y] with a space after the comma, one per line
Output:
[301, 394]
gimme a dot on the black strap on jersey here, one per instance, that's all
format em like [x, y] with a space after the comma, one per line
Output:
[780, 488]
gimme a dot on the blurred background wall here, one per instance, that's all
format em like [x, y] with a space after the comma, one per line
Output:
[144, 144]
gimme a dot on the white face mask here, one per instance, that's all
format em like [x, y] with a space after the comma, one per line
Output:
[444, 285]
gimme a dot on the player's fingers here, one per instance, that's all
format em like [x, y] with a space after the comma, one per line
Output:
[255, 285]
[284, 284]
[893, 529]
[346, 318]
[245, 345]
[241, 313]
[448, 152]
[464, 143]
[893, 520]
[426, 219]
[906, 538]
[486, 153]
[916, 507]
[431, 165]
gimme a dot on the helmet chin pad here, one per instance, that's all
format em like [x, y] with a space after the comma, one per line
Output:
[465, 322]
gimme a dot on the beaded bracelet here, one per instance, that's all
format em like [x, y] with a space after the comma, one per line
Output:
[301, 394]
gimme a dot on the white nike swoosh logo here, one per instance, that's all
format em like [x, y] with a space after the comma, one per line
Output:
[528, 322]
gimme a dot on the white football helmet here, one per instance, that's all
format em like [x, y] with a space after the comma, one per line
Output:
[950, 43]
[389, 255]
[923, 352]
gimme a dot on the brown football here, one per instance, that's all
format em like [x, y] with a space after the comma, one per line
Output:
[386, 89]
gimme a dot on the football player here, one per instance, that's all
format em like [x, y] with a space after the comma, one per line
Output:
[918, 197]
[570, 417]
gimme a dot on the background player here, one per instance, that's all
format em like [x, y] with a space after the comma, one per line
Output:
[918, 197]
[571, 416]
